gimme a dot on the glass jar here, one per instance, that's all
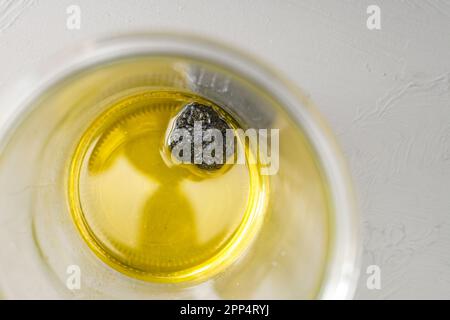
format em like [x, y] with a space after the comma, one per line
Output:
[307, 245]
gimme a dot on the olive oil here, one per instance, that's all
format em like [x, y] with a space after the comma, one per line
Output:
[148, 218]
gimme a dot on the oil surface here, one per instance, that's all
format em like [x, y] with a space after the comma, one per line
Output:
[155, 221]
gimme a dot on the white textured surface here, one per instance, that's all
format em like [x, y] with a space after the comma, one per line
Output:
[386, 94]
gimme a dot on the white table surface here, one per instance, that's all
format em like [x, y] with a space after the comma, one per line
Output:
[385, 93]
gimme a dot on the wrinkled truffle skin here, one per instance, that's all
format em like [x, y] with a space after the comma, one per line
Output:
[210, 119]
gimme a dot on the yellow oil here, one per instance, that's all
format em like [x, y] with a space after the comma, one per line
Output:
[151, 220]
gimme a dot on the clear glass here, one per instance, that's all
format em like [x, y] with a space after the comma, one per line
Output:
[308, 244]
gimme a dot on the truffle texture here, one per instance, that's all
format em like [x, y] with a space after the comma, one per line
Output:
[188, 121]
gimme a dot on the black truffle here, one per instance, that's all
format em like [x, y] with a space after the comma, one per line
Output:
[209, 119]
